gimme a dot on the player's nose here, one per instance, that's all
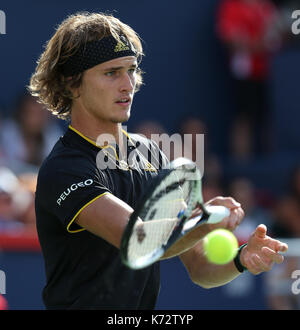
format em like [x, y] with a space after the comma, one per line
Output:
[127, 83]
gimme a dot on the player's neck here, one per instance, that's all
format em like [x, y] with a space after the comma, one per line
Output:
[99, 132]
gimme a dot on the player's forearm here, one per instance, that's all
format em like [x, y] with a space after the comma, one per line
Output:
[205, 274]
[212, 276]
[186, 243]
[106, 217]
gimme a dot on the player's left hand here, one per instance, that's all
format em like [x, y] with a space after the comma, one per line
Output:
[262, 251]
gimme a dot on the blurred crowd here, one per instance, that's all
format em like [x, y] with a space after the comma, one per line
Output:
[26, 136]
[251, 31]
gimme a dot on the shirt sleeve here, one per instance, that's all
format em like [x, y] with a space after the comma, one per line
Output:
[68, 184]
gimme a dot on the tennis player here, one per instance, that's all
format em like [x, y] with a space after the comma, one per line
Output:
[88, 75]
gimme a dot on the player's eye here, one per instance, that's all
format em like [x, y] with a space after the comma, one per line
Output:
[132, 70]
[110, 73]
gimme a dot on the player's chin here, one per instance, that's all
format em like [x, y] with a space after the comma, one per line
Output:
[123, 117]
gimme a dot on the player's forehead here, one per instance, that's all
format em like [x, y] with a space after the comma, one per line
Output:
[126, 61]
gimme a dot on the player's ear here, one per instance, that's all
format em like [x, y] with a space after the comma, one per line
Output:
[75, 91]
[74, 84]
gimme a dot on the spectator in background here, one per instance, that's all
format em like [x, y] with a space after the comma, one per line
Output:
[193, 125]
[243, 189]
[30, 135]
[212, 182]
[9, 185]
[149, 127]
[1, 148]
[248, 28]
[286, 225]
[27, 217]
[16, 201]
[287, 211]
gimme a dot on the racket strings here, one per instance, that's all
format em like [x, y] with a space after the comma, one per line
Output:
[160, 215]
[149, 236]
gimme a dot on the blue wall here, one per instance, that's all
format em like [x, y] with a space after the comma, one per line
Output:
[25, 279]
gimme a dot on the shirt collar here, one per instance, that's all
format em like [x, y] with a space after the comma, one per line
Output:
[130, 142]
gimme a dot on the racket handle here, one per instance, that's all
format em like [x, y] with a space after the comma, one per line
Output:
[217, 213]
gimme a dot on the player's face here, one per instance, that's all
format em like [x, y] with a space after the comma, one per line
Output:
[107, 90]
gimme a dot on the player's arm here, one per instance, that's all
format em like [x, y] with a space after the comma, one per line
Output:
[200, 270]
[106, 217]
[259, 255]
[205, 274]
[192, 238]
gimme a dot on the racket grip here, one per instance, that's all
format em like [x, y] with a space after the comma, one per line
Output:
[217, 213]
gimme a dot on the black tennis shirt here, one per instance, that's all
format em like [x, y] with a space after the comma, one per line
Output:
[83, 271]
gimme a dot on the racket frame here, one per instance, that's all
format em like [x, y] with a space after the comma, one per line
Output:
[182, 218]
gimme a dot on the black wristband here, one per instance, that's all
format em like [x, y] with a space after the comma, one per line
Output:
[237, 260]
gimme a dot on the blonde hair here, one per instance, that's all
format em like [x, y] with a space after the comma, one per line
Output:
[48, 83]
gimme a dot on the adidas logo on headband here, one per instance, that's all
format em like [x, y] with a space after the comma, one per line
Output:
[95, 52]
[120, 47]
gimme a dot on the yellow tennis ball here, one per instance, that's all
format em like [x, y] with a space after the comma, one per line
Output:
[220, 246]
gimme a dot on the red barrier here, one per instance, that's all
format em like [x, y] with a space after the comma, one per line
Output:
[20, 240]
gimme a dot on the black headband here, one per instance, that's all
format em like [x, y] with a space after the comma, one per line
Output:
[97, 52]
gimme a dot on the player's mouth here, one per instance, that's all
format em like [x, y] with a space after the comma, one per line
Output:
[125, 101]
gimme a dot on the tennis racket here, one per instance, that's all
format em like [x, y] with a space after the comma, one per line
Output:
[164, 214]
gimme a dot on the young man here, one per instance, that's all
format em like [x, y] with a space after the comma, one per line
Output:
[89, 74]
